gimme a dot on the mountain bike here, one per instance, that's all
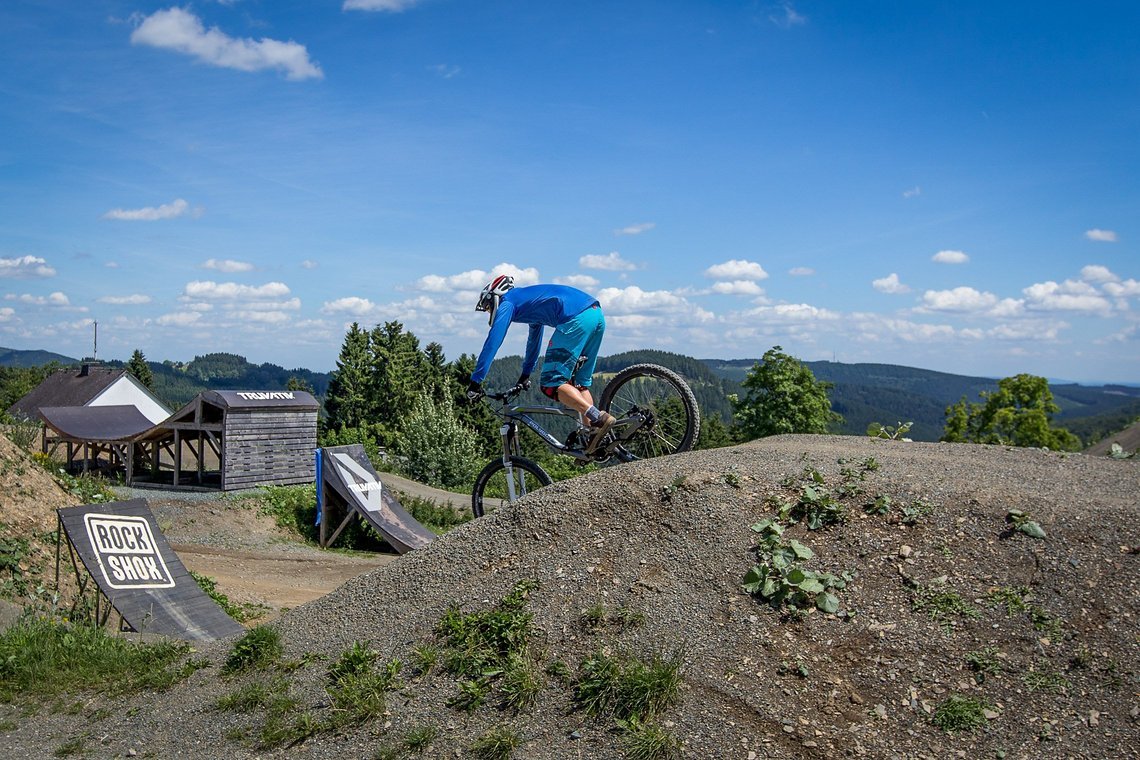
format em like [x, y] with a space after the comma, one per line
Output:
[656, 414]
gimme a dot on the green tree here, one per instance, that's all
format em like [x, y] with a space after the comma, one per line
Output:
[348, 403]
[1018, 413]
[438, 449]
[783, 396]
[139, 367]
[295, 383]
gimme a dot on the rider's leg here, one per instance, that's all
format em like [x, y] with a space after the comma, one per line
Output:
[578, 338]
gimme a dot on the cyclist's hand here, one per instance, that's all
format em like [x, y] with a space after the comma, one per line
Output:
[474, 392]
[522, 385]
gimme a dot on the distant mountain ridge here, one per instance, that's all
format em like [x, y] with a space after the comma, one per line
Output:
[862, 393]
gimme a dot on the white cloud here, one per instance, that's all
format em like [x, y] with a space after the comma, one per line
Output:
[961, 299]
[349, 305]
[445, 71]
[229, 266]
[737, 288]
[260, 317]
[309, 264]
[52, 299]
[890, 284]
[7, 313]
[151, 213]
[914, 192]
[610, 262]
[636, 229]
[180, 30]
[950, 257]
[134, 299]
[1023, 331]
[1070, 295]
[792, 312]
[233, 290]
[112, 265]
[475, 279]
[633, 299]
[25, 266]
[1097, 273]
[1125, 289]
[292, 304]
[736, 269]
[581, 281]
[1101, 236]
[801, 271]
[391, 6]
[179, 318]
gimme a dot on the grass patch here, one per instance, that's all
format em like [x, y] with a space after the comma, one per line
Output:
[648, 741]
[984, 661]
[942, 605]
[1045, 680]
[40, 657]
[627, 687]
[258, 648]
[436, 518]
[497, 744]
[959, 713]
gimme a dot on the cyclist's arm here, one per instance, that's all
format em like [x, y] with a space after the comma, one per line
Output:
[493, 342]
[533, 343]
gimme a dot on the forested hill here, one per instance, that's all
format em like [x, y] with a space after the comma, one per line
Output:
[889, 394]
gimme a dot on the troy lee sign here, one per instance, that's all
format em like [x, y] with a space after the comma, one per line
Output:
[126, 552]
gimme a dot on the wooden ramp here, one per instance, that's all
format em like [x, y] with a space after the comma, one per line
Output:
[347, 481]
[123, 550]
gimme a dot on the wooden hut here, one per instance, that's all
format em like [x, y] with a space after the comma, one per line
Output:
[230, 440]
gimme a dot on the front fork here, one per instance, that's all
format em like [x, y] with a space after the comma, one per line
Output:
[509, 433]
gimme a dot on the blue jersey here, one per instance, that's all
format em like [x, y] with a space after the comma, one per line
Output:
[538, 306]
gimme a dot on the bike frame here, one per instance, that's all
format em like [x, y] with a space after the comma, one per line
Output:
[514, 414]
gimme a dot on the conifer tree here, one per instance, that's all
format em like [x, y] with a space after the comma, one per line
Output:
[138, 367]
[348, 402]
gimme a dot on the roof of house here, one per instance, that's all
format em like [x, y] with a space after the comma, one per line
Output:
[96, 423]
[66, 387]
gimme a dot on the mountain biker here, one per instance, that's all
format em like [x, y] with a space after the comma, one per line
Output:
[568, 366]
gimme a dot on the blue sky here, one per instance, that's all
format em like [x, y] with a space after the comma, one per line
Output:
[953, 186]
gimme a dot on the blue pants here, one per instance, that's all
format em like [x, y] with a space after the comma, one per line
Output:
[573, 350]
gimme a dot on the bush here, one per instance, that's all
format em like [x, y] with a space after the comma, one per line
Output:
[438, 449]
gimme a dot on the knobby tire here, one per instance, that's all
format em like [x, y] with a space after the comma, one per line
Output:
[528, 477]
[668, 396]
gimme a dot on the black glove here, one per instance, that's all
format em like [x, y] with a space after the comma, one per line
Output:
[474, 392]
[523, 384]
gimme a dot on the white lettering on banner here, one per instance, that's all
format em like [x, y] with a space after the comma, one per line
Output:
[126, 552]
[365, 487]
[267, 395]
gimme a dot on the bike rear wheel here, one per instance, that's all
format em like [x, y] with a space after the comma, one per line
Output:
[668, 400]
[496, 484]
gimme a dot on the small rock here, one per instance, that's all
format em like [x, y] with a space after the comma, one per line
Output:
[990, 714]
[905, 551]
[1094, 718]
[881, 711]
[789, 729]
[855, 699]
[810, 743]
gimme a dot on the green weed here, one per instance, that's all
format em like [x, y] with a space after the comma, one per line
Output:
[1045, 680]
[242, 613]
[941, 604]
[648, 741]
[521, 681]
[628, 687]
[259, 647]
[984, 661]
[497, 744]
[959, 713]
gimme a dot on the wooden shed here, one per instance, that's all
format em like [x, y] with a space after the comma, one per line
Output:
[230, 440]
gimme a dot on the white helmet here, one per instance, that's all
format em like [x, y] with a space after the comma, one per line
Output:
[489, 298]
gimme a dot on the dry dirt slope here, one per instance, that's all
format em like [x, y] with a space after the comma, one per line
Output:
[670, 538]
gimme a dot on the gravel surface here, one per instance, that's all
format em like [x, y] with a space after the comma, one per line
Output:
[670, 539]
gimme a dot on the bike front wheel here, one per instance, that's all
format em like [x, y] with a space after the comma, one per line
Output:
[673, 420]
[500, 484]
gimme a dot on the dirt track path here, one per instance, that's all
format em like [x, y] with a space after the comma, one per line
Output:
[281, 581]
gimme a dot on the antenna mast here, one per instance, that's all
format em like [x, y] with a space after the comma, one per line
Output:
[95, 346]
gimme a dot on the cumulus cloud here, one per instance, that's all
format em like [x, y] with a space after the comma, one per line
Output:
[581, 281]
[309, 264]
[135, 299]
[179, 318]
[1101, 236]
[1097, 273]
[52, 299]
[636, 229]
[801, 271]
[890, 284]
[25, 266]
[475, 279]
[610, 262]
[231, 290]
[960, 299]
[792, 312]
[391, 6]
[1126, 289]
[229, 266]
[1070, 295]
[736, 269]
[737, 288]
[7, 314]
[150, 213]
[950, 257]
[353, 305]
[180, 30]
